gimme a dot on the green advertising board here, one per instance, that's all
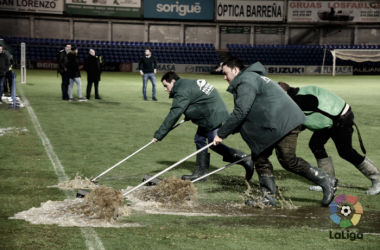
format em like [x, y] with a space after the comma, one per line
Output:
[269, 30]
[235, 29]
[114, 8]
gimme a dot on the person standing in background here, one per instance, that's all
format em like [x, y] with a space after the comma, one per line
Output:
[74, 74]
[8, 78]
[62, 69]
[4, 67]
[92, 65]
[148, 69]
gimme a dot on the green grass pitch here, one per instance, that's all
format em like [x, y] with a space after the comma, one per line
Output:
[90, 137]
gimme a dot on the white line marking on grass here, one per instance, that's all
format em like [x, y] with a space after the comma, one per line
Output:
[92, 240]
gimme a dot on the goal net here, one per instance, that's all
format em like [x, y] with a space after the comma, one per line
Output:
[356, 55]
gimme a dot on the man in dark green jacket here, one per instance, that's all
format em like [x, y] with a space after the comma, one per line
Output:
[329, 116]
[201, 103]
[268, 119]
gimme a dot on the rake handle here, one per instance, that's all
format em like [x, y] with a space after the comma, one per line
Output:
[117, 164]
[220, 169]
[167, 169]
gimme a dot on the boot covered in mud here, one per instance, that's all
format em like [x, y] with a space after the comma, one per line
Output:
[371, 172]
[202, 166]
[268, 190]
[234, 155]
[326, 164]
[328, 183]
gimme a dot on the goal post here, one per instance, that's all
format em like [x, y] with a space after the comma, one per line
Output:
[356, 55]
[23, 64]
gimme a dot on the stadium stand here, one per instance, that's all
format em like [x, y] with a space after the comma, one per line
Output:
[294, 54]
[186, 53]
[127, 51]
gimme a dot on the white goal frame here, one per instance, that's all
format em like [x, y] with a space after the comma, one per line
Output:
[23, 66]
[344, 54]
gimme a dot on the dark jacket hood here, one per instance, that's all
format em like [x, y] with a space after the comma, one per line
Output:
[257, 68]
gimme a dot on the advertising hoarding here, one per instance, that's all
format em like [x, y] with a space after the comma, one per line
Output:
[114, 8]
[333, 11]
[179, 9]
[46, 6]
[250, 10]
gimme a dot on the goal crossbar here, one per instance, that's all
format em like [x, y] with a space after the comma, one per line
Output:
[356, 55]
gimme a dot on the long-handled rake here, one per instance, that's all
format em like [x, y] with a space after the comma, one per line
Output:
[167, 169]
[220, 169]
[117, 164]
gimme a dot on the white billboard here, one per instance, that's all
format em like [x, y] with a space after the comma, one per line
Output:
[250, 10]
[46, 6]
[334, 11]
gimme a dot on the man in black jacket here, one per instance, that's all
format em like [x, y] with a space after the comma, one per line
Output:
[4, 67]
[148, 69]
[62, 62]
[92, 65]
[8, 78]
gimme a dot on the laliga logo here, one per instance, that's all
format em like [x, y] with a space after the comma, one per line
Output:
[343, 218]
[346, 210]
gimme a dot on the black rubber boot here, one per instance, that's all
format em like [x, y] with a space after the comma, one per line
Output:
[326, 164]
[268, 189]
[203, 164]
[327, 182]
[235, 155]
[371, 172]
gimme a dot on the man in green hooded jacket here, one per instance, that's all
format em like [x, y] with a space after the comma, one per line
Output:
[268, 119]
[329, 116]
[201, 103]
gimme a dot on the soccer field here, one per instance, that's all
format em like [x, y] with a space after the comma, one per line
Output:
[90, 137]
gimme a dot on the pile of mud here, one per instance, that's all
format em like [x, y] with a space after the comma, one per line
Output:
[77, 183]
[95, 210]
[169, 191]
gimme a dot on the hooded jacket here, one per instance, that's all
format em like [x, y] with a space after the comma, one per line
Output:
[199, 101]
[263, 111]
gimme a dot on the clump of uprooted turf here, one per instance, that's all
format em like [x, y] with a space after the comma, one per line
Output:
[95, 210]
[101, 203]
[169, 191]
[77, 183]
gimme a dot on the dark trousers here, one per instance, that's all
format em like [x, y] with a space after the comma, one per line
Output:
[286, 155]
[89, 87]
[8, 78]
[342, 138]
[65, 85]
[200, 141]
